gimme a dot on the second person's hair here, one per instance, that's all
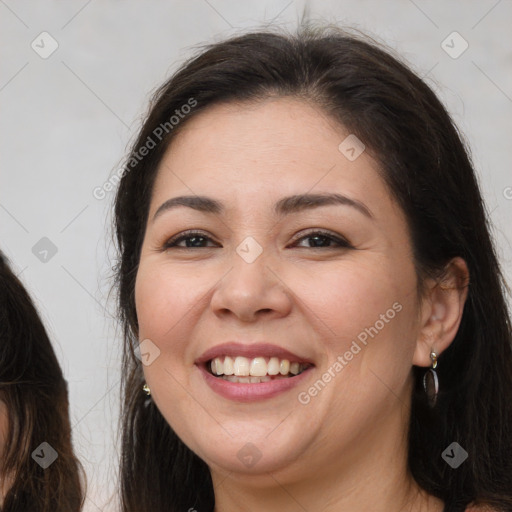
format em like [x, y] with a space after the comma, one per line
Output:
[36, 395]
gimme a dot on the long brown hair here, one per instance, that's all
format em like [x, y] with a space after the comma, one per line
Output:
[36, 396]
[427, 167]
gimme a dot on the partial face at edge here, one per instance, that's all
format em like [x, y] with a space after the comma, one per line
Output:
[4, 426]
[307, 294]
[4, 429]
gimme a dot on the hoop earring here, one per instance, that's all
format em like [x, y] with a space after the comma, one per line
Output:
[146, 389]
[431, 382]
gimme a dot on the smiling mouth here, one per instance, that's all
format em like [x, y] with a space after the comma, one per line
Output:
[256, 370]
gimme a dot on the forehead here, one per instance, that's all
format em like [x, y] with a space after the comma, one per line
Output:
[263, 149]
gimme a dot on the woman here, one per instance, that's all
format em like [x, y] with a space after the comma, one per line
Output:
[38, 469]
[313, 310]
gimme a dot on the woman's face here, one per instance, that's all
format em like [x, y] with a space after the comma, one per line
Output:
[256, 287]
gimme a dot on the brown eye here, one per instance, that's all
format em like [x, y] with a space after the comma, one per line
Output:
[323, 239]
[192, 239]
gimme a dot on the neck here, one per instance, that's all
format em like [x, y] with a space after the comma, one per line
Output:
[375, 479]
[273, 496]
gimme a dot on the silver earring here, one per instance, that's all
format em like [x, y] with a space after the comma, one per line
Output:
[431, 382]
[146, 389]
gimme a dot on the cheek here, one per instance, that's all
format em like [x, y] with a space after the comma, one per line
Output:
[370, 314]
[365, 313]
[347, 298]
[162, 299]
[163, 302]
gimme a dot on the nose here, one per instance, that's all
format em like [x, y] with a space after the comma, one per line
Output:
[250, 290]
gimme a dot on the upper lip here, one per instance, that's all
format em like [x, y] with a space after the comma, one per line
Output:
[250, 351]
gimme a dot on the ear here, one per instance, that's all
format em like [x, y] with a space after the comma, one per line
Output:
[441, 311]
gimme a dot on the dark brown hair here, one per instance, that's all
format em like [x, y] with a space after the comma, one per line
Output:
[36, 396]
[424, 162]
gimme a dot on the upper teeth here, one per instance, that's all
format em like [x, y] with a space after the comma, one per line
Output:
[257, 367]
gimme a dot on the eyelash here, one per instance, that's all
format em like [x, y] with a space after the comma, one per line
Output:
[172, 242]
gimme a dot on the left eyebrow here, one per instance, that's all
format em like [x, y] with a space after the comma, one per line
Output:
[285, 206]
[300, 202]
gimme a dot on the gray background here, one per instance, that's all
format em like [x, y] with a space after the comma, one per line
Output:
[67, 120]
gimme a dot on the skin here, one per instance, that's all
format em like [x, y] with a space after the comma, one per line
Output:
[4, 428]
[313, 301]
[4, 425]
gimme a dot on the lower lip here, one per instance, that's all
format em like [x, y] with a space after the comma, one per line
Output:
[246, 392]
